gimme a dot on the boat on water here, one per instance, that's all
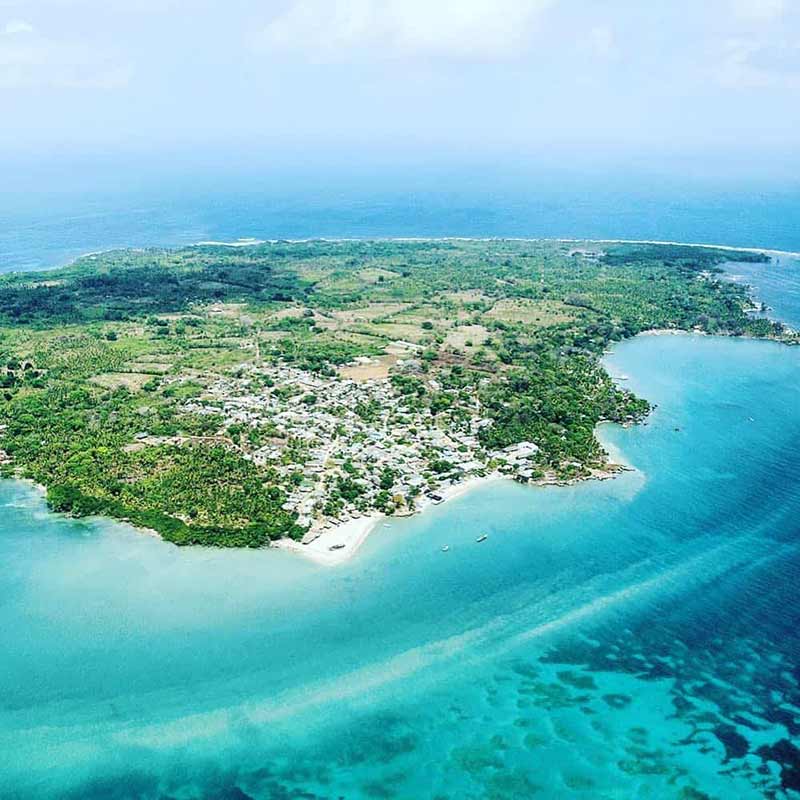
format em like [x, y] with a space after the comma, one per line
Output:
[336, 547]
[482, 538]
[445, 548]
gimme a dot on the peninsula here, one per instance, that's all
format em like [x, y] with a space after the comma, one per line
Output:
[238, 397]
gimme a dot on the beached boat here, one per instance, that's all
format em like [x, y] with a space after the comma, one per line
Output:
[336, 547]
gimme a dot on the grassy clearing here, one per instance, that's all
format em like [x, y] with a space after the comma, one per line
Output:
[370, 312]
[377, 275]
[538, 313]
[460, 336]
[467, 296]
[132, 381]
[407, 332]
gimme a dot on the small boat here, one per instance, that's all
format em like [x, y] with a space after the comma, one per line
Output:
[336, 547]
[482, 538]
[445, 548]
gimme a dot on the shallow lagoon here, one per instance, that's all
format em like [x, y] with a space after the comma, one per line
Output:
[636, 638]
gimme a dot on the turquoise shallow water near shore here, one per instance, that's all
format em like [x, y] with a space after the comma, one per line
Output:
[635, 638]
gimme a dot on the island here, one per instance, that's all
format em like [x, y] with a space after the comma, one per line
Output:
[275, 392]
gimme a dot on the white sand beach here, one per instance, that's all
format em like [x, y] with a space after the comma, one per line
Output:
[459, 489]
[237, 243]
[353, 533]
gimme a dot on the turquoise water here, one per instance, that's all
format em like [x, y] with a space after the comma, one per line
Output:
[778, 285]
[635, 638]
[50, 214]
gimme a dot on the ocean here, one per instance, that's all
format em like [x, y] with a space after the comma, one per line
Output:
[634, 638]
[50, 216]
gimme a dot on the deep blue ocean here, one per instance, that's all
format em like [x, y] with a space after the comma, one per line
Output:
[635, 638]
[52, 214]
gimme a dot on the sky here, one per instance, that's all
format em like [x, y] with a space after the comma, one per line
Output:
[316, 80]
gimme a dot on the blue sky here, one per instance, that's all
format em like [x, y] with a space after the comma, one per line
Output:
[475, 79]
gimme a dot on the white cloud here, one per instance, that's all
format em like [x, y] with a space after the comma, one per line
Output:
[17, 26]
[759, 10]
[466, 29]
[35, 61]
[603, 42]
[747, 63]
[761, 49]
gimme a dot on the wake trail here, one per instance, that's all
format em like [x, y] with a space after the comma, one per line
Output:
[499, 637]
[635, 590]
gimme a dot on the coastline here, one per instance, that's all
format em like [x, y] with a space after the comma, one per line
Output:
[251, 242]
[305, 240]
[353, 533]
[346, 538]
[725, 247]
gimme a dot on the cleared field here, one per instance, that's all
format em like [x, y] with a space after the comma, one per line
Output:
[397, 330]
[540, 313]
[371, 339]
[378, 368]
[293, 312]
[458, 337]
[215, 358]
[402, 348]
[374, 275]
[420, 313]
[227, 310]
[132, 381]
[326, 321]
[468, 296]
[150, 367]
[369, 313]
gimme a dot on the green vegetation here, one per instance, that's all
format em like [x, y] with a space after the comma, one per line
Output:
[107, 364]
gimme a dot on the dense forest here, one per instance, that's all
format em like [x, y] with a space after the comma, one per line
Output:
[100, 358]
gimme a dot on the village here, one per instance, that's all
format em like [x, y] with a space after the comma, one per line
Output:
[345, 448]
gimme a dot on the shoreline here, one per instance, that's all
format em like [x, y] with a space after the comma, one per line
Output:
[353, 533]
[339, 543]
[251, 242]
[306, 240]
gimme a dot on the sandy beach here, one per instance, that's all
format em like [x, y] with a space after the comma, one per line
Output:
[353, 533]
[702, 245]
[459, 489]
